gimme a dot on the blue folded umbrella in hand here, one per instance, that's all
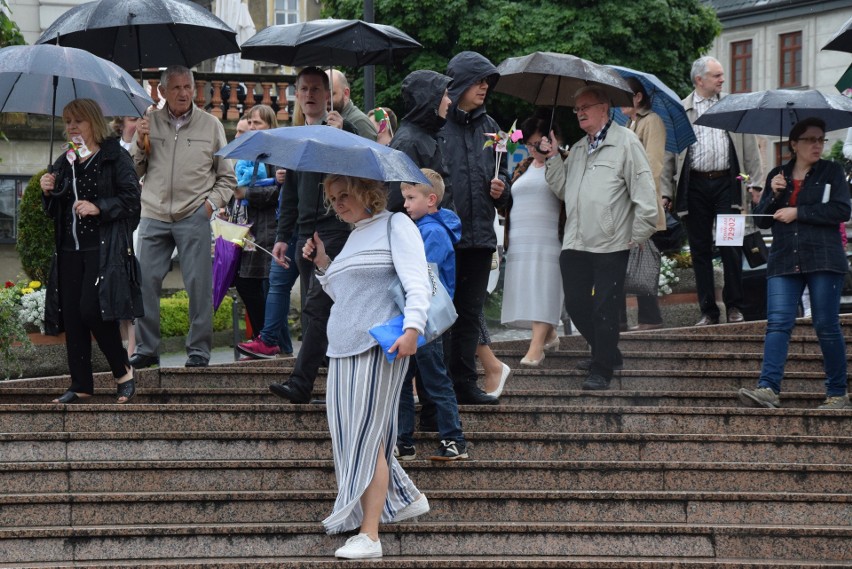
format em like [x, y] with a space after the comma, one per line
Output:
[388, 333]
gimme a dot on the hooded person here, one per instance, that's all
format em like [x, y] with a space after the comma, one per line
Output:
[426, 100]
[476, 195]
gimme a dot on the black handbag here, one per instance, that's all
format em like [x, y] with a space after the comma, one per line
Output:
[643, 271]
[754, 249]
[671, 239]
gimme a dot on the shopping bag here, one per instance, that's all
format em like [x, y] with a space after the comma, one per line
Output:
[643, 270]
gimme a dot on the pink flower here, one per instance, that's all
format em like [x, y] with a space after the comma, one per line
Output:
[516, 135]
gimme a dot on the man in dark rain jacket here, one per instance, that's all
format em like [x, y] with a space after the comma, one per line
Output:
[426, 100]
[476, 194]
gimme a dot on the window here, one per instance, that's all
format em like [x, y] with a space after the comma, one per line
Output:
[790, 59]
[11, 191]
[286, 12]
[741, 66]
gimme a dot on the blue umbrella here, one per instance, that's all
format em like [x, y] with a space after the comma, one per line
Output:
[666, 103]
[324, 149]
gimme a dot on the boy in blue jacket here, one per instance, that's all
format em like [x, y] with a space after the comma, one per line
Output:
[440, 229]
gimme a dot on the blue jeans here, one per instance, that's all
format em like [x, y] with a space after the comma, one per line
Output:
[428, 365]
[782, 303]
[276, 330]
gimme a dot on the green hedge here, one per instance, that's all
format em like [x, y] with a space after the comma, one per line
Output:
[35, 233]
[174, 315]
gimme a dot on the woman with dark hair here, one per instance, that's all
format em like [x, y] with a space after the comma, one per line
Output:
[363, 392]
[93, 197]
[532, 289]
[809, 197]
[651, 131]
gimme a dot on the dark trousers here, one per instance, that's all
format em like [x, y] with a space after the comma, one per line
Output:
[81, 316]
[316, 306]
[648, 309]
[594, 286]
[472, 269]
[708, 198]
[253, 293]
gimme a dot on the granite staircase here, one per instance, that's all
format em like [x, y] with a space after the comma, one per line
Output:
[206, 469]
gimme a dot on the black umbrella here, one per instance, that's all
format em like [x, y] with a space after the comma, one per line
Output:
[842, 40]
[330, 42]
[774, 112]
[550, 79]
[42, 79]
[136, 34]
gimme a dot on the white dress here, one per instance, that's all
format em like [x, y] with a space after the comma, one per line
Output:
[532, 289]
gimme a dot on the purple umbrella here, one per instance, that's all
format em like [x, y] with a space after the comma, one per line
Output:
[227, 249]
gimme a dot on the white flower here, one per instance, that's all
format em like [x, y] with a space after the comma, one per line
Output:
[32, 309]
[667, 275]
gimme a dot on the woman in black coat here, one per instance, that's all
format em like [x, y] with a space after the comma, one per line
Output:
[93, 197]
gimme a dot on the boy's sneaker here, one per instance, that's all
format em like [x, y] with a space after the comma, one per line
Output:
[839, 402]
[760, 397]
[404, 453]
[360, 547]
[450, 450]
[258, 349]
[416, 508]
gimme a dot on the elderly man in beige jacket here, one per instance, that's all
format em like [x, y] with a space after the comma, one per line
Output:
[611, 206]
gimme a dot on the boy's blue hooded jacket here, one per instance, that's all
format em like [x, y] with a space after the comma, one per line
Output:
[441, 231]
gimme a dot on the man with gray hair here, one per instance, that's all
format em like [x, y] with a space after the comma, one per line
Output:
[611, 206]
[701, 182]
[342, 103]
[185, 182]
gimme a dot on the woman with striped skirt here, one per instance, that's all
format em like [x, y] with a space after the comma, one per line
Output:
[363, 391]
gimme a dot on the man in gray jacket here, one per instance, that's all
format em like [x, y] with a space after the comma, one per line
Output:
[611, 206]
[184, 184]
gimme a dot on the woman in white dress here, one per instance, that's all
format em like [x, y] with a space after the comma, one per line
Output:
[362, 399]
[532, 289]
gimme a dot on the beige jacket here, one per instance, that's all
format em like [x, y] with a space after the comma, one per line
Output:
[182, 170]
[609, 195]
[651, 131]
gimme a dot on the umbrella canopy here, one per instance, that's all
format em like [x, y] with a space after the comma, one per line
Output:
[324, 149]
[666, 104]
[844, 84]
[842, 40]
[42, 79]
[136, 34]
[227, 250]
[551, 79]
[774, 112]
[347, 43]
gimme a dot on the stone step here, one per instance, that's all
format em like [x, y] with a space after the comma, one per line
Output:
[749, 343]
[706, 542]
[474, 474]
[271, 445]
[130, 508]
[514, 394]
[94, 418]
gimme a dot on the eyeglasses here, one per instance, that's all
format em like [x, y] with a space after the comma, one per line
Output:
[533, 143]
[813, 140]
[584, 108]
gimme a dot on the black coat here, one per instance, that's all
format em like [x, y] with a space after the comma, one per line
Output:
[422, 93]
[118, 199]
[471, 166]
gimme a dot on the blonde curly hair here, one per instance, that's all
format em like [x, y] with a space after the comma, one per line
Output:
[372, 194]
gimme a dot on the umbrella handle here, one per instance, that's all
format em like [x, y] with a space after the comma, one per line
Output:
[146, 144]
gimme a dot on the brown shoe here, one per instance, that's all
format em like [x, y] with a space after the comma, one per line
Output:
[706, 320]
[735, 315]
[640, 327]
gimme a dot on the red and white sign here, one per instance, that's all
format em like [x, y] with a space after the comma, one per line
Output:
[730, 230]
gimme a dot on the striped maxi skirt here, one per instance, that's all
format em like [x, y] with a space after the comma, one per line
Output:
[362, 404]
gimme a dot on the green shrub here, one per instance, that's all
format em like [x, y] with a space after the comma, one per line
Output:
[35, 233]
[174, 315]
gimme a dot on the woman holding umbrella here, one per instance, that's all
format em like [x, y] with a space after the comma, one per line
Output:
[809, 198]
[362, 399]
[93, 197]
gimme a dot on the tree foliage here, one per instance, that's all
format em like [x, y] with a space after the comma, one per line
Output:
[35, 242]
[657, 36]
[10, 34]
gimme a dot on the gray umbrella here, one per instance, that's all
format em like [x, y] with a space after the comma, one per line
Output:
[550, 79]
[42, 79]
[774, 112]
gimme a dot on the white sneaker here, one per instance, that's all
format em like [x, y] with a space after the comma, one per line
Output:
[360, 547]
[416, 508]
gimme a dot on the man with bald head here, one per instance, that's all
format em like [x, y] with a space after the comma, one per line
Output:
[343, 104]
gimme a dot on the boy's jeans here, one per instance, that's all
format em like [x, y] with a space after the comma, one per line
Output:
[428, 364]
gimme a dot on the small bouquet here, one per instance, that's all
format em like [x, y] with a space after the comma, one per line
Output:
[76, 147]
[503, 142]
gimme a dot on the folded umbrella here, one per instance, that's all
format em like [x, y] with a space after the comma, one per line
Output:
[227, 249]
[666, 104]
